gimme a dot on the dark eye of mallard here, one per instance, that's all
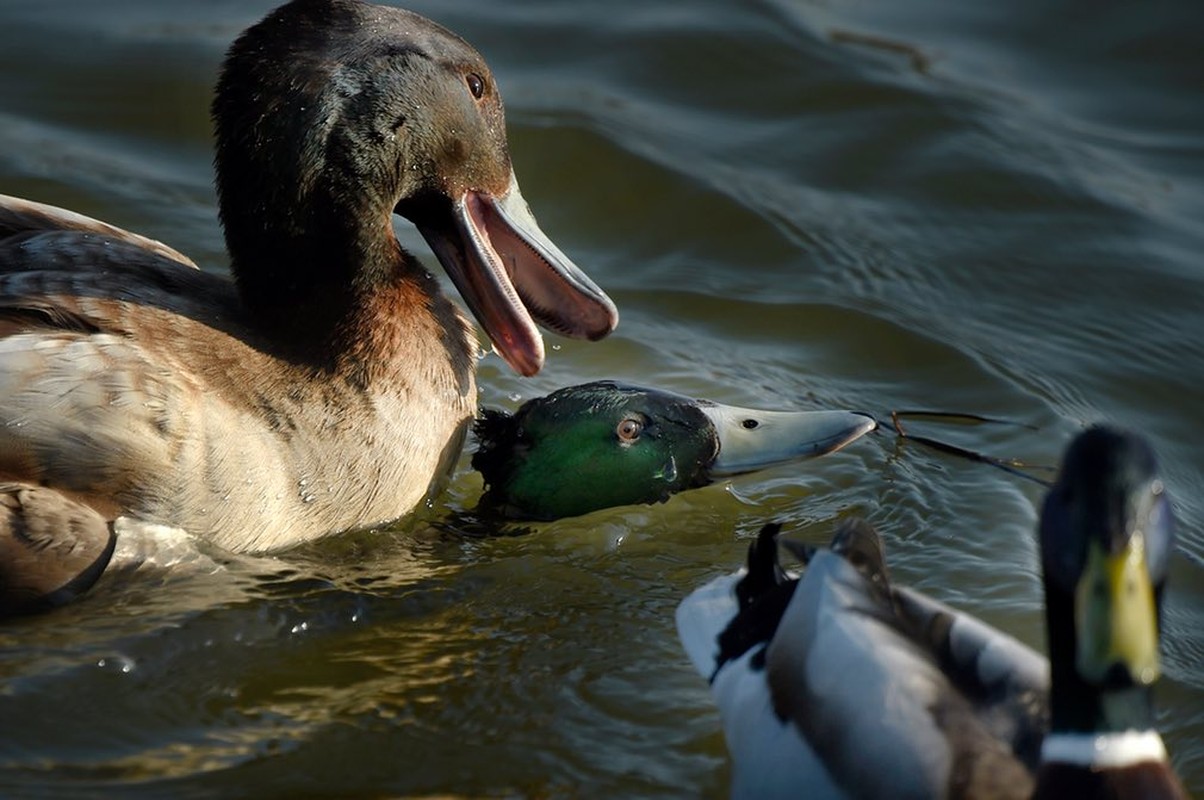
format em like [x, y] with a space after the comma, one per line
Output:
[629, 430]
[476, 84]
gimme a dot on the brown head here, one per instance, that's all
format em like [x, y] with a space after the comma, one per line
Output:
[331, 115]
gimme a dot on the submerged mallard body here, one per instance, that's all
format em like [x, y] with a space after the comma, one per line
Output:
[606, 443]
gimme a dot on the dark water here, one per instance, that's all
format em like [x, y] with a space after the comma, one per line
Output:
[993, 208]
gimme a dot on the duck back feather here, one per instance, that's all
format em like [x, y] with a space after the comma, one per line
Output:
[863, 689]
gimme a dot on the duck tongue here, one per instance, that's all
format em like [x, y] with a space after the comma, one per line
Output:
[512, 276]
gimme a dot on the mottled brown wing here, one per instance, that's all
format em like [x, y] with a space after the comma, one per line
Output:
[51, 548]
[20, 217]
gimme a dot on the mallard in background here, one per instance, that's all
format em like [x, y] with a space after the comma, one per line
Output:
[330, 382]
[606, 443]
[841, 684]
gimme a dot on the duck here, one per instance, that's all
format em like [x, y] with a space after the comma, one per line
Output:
[328, 383]
[840, 683]
[610, 443]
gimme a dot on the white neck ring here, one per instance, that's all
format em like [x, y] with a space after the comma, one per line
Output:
[1103, 750]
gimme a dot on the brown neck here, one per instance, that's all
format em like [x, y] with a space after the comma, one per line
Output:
[403, 329]
[319, 289]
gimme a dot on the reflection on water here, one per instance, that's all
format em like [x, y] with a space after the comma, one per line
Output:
[868, 205]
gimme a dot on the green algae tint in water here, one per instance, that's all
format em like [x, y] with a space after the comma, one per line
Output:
[852, 205]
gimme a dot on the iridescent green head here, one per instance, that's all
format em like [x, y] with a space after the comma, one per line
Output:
[1106, 537]
[606, 444]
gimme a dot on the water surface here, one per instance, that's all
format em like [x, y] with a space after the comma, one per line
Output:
[991, 209]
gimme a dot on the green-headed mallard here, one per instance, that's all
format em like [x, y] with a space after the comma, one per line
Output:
[607, 443]
[840, 684]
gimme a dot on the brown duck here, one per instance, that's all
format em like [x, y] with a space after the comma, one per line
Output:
[330, 382]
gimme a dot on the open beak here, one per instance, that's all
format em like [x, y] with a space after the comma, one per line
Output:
[512, 276]
[1116, 619]
[750, 439]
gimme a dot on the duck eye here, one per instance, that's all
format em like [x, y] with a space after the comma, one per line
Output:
[476, 84]
[629, 430]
